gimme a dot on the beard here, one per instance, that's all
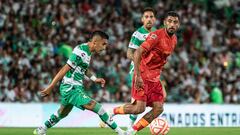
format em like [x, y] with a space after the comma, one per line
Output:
[149, 26]
[171, 31]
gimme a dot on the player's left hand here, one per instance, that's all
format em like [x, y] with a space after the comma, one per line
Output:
[100, 80]
[46, 91]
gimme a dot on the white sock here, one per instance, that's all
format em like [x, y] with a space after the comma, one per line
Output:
[130, 123]
[111, 112]
[44, 127]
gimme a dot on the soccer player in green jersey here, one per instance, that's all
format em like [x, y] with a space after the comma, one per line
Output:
[72, 89]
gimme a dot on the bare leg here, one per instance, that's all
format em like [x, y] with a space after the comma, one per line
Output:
[149, 117]
[136, 107]
[98, 109]
[63, 111]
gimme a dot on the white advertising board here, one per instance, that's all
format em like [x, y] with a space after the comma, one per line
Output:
[178, 115]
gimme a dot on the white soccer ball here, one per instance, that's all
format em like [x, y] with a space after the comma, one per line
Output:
[159, 126]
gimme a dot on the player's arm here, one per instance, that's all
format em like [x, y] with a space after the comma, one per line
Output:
[130, 53]
[146, 47]
[55, 80]
[137, 60]
[133, 46]
[91, 76]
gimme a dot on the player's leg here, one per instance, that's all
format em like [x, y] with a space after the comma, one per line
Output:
[137, 106]
[155, 99]
[132, 117]
[65, 107]
[98, 109]
[62, 112]
[82, 101]
[156, 110]
[149, 117]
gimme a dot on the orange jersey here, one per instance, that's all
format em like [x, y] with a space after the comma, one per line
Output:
[158, 46]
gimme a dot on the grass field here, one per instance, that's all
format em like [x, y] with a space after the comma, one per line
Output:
[108, 131]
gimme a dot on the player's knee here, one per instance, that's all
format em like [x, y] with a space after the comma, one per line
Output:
[63, 115]
[91, 105]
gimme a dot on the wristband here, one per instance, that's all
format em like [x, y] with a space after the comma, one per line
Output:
[93, 78]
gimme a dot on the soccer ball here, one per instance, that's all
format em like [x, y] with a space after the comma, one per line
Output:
[159, 126]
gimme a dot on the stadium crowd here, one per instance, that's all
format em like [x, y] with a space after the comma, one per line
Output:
[36, 38]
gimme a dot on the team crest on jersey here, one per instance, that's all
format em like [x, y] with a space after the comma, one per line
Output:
[153, 36]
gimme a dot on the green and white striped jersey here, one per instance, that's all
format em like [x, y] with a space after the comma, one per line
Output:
[79, 61]
[138, 37]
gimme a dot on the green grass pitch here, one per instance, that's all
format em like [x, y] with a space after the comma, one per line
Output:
[108, 131]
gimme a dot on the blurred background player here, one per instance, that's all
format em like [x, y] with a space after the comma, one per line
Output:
[149, 60]
[72, 89]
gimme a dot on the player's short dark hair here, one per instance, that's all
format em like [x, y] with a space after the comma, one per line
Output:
[100, 33]
[173, 14]
[150, 10]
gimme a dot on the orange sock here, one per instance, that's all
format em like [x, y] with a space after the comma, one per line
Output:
[118, 110]
[142, 123]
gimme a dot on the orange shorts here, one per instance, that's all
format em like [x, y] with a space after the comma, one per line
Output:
[151, 92]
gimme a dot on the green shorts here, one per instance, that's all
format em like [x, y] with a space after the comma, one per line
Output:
[74, 95]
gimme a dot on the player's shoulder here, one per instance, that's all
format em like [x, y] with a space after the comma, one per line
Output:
[136, 32]
[141, 30]
[81, 48]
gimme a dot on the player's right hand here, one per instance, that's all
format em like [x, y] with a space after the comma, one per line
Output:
[138, 83]
[46, 91]
[100, 80]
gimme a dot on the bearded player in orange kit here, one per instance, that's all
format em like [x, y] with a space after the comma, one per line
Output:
[149, 60]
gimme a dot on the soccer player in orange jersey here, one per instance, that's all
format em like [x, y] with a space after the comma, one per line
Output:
[149, 60]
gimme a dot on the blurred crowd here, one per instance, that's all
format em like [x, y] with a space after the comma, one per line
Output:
[36, 38]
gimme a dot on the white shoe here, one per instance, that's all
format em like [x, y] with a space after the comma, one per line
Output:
[40, 131]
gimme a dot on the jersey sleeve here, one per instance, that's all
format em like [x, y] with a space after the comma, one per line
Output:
[76, 58]
[135, 42]
[150, 42]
